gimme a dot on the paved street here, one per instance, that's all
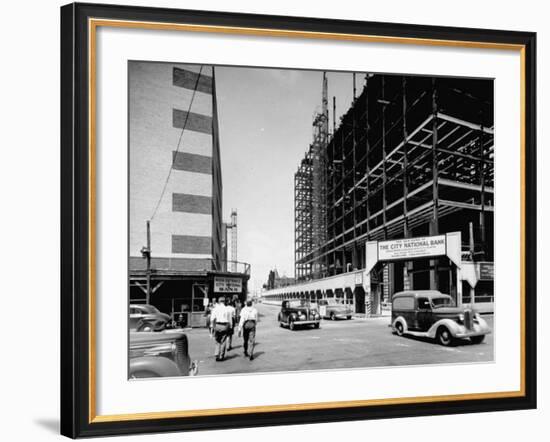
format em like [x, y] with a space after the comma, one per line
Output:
[338, 344]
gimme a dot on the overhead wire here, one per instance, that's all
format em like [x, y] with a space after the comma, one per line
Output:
[180, 139]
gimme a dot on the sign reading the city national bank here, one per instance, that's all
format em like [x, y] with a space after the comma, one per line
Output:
[227, 285]
[409, 248]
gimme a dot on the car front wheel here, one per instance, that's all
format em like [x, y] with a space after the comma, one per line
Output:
[444, 336]
[146, 327]
[399, 329]
[291, 324]
[332, 317]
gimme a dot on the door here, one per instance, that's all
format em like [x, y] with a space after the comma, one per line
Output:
[284, 311]
[359, 300]
[424, 314]
[376, 297]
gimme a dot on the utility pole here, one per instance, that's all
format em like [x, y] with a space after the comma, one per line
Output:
[146, 253]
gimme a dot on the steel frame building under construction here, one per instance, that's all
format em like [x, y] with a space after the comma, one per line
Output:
[412, 156]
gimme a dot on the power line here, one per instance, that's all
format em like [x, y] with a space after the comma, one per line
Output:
[178, 145]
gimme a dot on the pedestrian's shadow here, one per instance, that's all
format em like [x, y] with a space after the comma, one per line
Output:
[258, 353]
[231, 356]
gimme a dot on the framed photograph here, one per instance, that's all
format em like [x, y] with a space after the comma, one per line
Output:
[274, 220]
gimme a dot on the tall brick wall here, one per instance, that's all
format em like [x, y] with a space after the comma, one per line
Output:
[186, 224]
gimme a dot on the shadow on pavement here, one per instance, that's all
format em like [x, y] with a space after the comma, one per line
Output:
[457, 343]
[258, 353]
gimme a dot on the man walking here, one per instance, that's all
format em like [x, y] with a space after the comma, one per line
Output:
[221, 321]
[232, 324]
[247, 325]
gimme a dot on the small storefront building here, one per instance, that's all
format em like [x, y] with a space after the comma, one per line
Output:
[185, 296]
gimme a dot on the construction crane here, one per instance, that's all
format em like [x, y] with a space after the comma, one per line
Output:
[319, 185]
[232, 225]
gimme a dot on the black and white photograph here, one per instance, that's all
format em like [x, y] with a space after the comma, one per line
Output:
[285, 220]
[274, 221]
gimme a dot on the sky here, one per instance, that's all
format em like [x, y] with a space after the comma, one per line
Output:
[265, 121]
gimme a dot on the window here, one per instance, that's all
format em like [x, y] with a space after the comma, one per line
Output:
[443, 301]
[424, 304]
[403, 303]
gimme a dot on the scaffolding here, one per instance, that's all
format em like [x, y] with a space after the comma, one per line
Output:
[310, 184]
[412, 156]
[303, 220]
[230, 246]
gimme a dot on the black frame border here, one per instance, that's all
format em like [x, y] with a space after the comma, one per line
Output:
[75, 219]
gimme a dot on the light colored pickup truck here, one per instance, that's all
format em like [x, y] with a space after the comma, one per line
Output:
[333, 310]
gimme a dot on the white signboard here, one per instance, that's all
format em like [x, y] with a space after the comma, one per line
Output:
[408, 248]
[227, 285]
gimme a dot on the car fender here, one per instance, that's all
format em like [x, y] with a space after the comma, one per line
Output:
[159, 365]
[483, 324]
[403, 321]
[451, 325]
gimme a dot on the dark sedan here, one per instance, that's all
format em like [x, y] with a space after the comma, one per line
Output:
[145, 317]
[298, 312]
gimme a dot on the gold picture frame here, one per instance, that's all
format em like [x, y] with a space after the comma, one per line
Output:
[79, 27]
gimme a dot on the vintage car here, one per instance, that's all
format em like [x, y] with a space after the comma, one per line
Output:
[430, 313]
[298, 312]
[145, 317]
[329, 308]
[160, 354]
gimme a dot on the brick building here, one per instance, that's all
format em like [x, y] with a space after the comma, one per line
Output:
[176, 183]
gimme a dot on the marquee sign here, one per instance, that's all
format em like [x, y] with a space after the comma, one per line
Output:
[227, 285]
[408, 248]
[486, 271]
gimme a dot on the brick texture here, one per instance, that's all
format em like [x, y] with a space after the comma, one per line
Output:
[188, 80]
[191, 244]
[183, 202]
[191, 162]
[192, 121]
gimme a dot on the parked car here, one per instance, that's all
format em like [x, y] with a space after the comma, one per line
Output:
[145, 317]
[160, 354]
[298, 312]
[430, 313]
[329, 308]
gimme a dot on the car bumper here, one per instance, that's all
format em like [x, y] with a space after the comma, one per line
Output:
[342, 315]
[308, 322]
[478, 330]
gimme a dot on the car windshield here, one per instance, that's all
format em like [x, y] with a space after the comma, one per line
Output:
[443, 301]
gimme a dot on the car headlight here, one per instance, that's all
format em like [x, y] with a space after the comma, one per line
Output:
[461, 317]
